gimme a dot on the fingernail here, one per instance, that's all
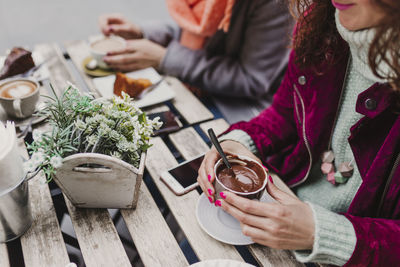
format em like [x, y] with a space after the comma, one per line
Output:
[222, 195]
[210, 199]
[209, 178]
[218, 203]
[210, 192]
[265, 167]
[270, 179]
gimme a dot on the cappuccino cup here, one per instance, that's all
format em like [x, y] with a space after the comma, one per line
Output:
[101, 47]
[249, 180]
[19, 97]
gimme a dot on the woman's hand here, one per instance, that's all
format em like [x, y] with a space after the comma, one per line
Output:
[206, 170]
[117, 24]
[287, 224]
[138, 54]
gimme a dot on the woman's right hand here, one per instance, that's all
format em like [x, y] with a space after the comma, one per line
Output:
[117, 24]
[206, 171]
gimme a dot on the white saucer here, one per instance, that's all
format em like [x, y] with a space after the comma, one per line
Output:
[221, 225]
[221, 263]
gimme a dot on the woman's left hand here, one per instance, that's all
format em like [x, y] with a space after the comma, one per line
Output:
[286, 224]
[138, 54]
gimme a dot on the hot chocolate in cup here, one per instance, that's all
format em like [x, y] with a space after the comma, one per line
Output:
[250, 177]
[101, 47]
[19, 97]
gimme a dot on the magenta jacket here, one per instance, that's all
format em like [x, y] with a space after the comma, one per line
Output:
[296, 129]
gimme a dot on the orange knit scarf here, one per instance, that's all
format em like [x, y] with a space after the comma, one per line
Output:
[200, 19]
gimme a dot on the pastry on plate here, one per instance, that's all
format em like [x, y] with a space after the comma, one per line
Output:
[133, 87]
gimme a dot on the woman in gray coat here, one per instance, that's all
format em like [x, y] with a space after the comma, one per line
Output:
[240, 63]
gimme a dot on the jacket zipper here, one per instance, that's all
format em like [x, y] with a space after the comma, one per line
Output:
[396, 164]
[304, 126]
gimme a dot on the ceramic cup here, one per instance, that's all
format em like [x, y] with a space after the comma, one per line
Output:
[260, 170]
[100, 47]
[19, 97]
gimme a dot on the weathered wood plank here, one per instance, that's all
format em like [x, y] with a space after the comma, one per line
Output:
[191, 109]
[269, 257]
[218, 125]
[42, 244]
[265, 256]
[188, 143]
[159, 158]
[4, 260]
[150, 233]
[78, 51]
[98, 239]
[56, 63]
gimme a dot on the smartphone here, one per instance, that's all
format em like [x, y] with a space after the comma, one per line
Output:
[171, 123]
[183, 178]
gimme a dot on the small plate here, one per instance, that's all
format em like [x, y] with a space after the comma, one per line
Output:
[98, 72]
[221, 225]
[22, 122]
[221, 263]
[163, 92]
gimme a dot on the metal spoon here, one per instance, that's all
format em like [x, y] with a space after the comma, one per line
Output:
[215, 142]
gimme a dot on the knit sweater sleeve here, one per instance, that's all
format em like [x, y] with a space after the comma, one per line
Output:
[334, 241]
[240, 137]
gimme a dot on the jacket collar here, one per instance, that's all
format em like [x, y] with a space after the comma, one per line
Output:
[375, 100]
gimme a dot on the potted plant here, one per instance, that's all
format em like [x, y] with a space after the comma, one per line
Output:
[95, 150]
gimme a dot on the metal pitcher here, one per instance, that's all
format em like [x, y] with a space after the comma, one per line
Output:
[15, 211]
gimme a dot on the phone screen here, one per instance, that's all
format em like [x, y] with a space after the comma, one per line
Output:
[186, 174]
[170, 122]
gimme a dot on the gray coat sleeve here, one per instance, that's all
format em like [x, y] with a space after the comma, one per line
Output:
[160, 32]
[249, 74]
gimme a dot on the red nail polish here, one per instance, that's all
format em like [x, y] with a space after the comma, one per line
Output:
[210, 199]
[210, 192]
[209, 178]
[222, 195]
[218, 203]
[270, 179]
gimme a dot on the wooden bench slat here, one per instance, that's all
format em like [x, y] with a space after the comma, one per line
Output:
[56, 63]
[4, 260]
[98, 239]
[147, 225]
[218, 125]
[159, 159]
[188, 143]
[262, 254]
[188, 105]
[42, 244]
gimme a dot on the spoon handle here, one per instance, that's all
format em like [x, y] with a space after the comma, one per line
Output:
[215, 142]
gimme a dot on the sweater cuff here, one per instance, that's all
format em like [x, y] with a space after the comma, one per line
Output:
[241, 137]
[335, 238]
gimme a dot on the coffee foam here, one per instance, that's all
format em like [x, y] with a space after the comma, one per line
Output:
[17, 89]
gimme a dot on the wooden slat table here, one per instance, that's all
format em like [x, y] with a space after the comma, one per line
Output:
[99, 241]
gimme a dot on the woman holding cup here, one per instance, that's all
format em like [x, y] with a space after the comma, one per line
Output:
[333, 135]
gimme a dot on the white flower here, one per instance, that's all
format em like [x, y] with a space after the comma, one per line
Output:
[37, 135]
[92, 139]
[38, 158]
[81, 125]
[29, 166]
[56, 161]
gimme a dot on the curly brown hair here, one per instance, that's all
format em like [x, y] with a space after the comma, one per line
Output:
[317, 39]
